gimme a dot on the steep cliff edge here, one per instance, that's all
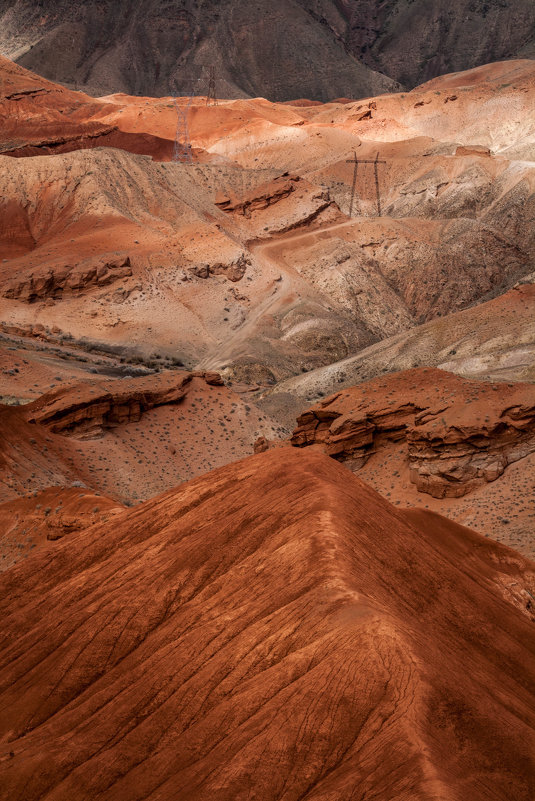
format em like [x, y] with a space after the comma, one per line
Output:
[86, 410]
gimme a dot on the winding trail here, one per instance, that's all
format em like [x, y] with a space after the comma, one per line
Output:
[280, 291]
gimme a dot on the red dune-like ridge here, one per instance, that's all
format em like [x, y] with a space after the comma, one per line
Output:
[181, 277]
[273, 630]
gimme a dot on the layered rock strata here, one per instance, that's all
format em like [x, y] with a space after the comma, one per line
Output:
[298, 202]
[86, 409]
[56, 282]
[459, 433]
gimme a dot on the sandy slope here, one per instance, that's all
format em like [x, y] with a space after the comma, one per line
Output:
[106, 435]
[494, 340]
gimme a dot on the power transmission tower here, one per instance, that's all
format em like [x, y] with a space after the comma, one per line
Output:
[182, 150]
[376, 161]
[211, 98]
[376, 171]
[353, 185]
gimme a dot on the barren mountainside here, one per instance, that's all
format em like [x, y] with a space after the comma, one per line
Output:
[281, 50]
[247, 261]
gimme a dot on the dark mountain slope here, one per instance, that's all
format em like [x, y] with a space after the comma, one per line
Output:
[282, 49]
[150, 47]
[415, 40]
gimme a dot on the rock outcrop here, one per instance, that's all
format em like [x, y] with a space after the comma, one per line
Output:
[211, 378]
[473, 150]
[233, 270]
[87, 409]
[297, 201]
[260, 198]
[459, 433]
[275, 612]
[58, 282]
[127, 438]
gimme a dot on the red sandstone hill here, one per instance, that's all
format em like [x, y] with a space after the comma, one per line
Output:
[272, 630]
[41, 117]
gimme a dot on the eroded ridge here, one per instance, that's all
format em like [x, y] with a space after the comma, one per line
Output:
[275, 630]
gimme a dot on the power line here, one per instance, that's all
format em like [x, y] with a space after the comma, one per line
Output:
[182, 148]
[356, 161]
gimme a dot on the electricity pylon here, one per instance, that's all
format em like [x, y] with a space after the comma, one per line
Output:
[356, 162]
[182, 150]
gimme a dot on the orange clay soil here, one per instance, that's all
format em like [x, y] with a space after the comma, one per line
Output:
[39, 520]
[35, 362]
[40, 117]
[274, 629]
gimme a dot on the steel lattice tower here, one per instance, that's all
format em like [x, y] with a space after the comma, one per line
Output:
[376, 161]
[182, 150]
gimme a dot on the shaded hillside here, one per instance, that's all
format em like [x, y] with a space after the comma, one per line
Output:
[153, 46]
[415, 41]
[281, 50]
[493, 340]
[275, 612]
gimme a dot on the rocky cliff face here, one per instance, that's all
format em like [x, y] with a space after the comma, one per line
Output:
[67, 280]
[460, 434]
[415, 41]
[281, 50]
[85, 410]
[154, 47]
